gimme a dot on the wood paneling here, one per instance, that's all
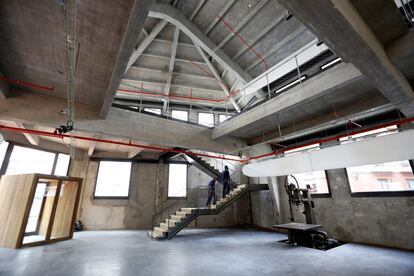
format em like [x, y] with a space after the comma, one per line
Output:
[62, 223]
[15, 194]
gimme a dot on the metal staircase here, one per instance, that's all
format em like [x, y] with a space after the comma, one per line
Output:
[206, 167]
[175, 221]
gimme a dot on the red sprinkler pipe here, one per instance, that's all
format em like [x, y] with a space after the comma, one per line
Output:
[85, 138]
[243, 41]
[27, 84]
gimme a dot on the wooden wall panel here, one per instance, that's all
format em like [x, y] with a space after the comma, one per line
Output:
[62, 223]
[15, 192]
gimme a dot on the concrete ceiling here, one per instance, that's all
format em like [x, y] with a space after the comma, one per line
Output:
[32, 47]
[264, 26]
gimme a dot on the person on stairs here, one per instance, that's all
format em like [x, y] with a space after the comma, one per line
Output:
[211, 191]
[225, 177]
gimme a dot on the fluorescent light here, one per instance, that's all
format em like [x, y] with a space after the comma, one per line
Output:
[290, 84]
[329, 64]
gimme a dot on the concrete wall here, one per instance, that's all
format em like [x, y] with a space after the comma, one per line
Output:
[386, 221]
[145, 189]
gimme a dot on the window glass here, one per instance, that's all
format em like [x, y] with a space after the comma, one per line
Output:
[373, 133]
[223, 117]
[26, 160]
[153, 110]
[316, 180]
[62, 164]
[180, 115]
[113, 179]
[3, 149]
[177, 180]
[390, 176]
[206, 119]
[301, 149]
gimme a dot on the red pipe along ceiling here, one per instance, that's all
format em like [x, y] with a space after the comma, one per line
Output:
[162, 149]
[27, 84]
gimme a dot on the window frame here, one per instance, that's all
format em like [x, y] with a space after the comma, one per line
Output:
[111, 197]
[186, 185]
[380, 193]
[324, 195]
[9, 152]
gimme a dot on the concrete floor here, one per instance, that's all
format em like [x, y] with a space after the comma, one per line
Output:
[199, 252]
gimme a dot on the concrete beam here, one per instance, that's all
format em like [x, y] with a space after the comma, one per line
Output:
[91, 148]
[134, 152]
[4, 87]
[33, 139]
[326, 82]
[243, 22]
[145, 43]
[172, 15]
[218, 77]
[171, 66]
[132, 31]
[30, 108]
[341, 27]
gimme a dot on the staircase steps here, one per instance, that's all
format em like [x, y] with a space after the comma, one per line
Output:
[184, 216]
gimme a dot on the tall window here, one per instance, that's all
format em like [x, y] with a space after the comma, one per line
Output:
[113, 179]
[153, 110]
[28, 160]
[206, 119]
[383, 177]
[180, 115]
[177, 180]
[223, 117]
[316, 180]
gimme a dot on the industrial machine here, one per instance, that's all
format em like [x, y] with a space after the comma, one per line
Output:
[307, 234]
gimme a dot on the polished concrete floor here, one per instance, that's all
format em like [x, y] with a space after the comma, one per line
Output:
[199, 252]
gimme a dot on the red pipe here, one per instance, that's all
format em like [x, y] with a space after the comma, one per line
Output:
[244, 41]
[27, 84]
[61, 136]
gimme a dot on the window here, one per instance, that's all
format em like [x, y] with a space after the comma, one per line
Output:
[62, 164]
[383, 177]
[153, 110]
[373, 133]
[113, 179]
[223, 118]
[28, 160]
[206, 119]
[316, 180]
[301, 149]
[177, 180]
[410, 183]
[180, 115]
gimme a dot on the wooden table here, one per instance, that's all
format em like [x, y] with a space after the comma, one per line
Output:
[297, 229]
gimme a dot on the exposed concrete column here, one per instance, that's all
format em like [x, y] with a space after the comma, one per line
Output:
[272, 181]
[341, 27]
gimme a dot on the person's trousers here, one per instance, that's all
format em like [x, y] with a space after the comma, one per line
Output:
[211, 195]
[226, 188]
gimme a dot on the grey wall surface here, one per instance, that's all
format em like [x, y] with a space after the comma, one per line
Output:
[148, 186]
[386, 221]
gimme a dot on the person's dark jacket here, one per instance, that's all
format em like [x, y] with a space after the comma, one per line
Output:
[212, 183]
[225, 176]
